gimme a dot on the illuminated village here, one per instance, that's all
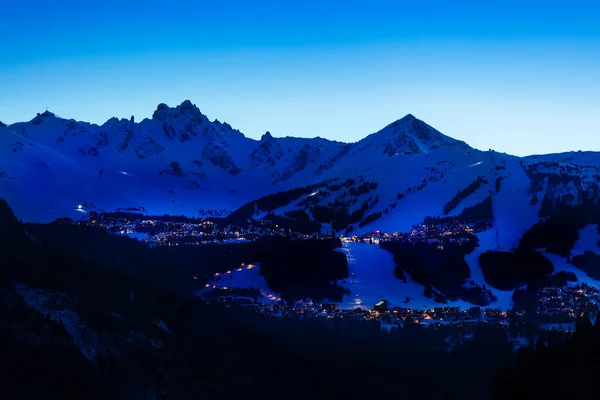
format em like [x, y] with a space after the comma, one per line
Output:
[557, 308]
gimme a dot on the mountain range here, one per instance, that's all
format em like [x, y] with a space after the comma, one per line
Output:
[180, 162]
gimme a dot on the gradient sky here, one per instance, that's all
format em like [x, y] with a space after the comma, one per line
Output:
[521, 77]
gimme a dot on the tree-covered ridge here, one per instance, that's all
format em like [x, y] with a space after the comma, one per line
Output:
[156, 264]
[307, 272]
[370, 218]
[510, 270]
[336, 212]
[442, 270]
[341, 211]
[463, 194]
[271, 202]
[588, 262]
[561, 184]
[476, 213]
[559, 232]
[554, 369]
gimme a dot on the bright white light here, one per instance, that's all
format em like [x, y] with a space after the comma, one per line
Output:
[477, 163]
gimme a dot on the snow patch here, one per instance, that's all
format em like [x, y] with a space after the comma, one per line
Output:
[588, 241]
[161, 324]
[55, 304]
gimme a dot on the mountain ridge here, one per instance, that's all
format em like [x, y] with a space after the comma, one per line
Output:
[164, 111]
[180, 162]
[189, 111]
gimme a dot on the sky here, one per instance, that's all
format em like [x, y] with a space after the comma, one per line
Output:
[521, 77]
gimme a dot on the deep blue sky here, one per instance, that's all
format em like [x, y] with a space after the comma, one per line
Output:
[517, 76]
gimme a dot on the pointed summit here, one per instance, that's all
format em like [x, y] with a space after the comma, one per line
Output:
[406, 120]
[410, 135]
[266, 136]
[188, 107]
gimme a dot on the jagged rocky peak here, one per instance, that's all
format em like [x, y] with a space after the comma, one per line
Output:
[116, 122]
[268, 152]
[186, 108]
[410, 135]
[39, 118]
[266, 137]
[223, 126]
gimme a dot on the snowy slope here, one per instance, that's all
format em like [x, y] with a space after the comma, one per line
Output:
[407, 136]
[245, 276]
[58, 307]
[487, 240]
[588, 240]
[372, 279]
[180, 162]
[176, 162]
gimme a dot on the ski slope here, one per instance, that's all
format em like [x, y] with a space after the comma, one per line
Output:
[487, 241]
[373, 271]
[245, 276]
[587, 241]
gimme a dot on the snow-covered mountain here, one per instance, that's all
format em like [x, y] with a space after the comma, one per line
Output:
[180, 162]
[177, 162]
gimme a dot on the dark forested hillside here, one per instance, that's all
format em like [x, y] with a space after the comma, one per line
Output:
[476, 213]
[567, 370]
[441, 269]
[510, 270]
[559, 232]
[174, 267]
[307, 271]
[588, 262]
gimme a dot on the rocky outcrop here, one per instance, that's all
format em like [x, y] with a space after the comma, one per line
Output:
[145, 146]
[267, 153]
[219, 157]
